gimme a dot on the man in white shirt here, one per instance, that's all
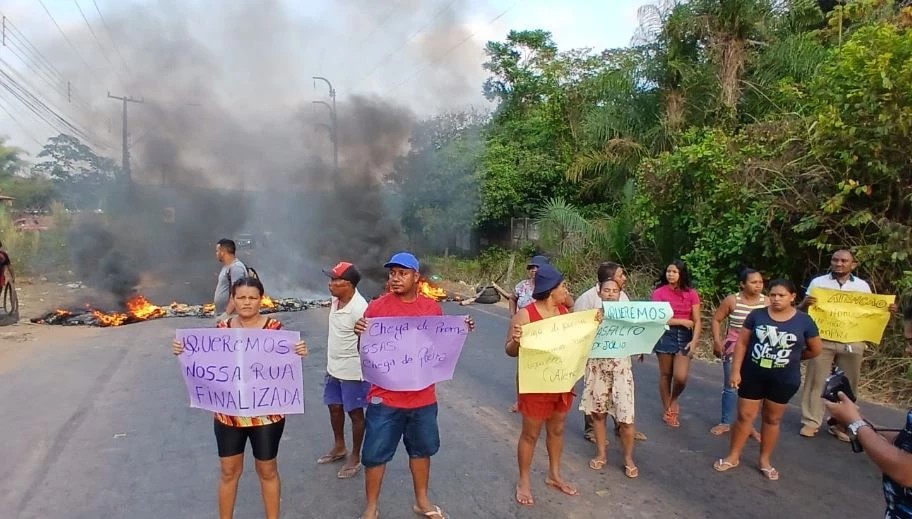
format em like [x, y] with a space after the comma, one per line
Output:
[590, 300]
[344, 390]
[848, 356]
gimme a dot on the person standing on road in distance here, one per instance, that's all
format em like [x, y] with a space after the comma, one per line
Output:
[592, 300]
[344, 390]
[677, 345]
[522, 293]
[6, 268]
[232, 270]
[735, 307]
[410, 416]
[891, 451]
[264, 432]
[548, 409]
[766, 370]
[848, 356]
[609, 390]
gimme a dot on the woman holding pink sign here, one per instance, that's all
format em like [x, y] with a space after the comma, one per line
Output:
[264, 432]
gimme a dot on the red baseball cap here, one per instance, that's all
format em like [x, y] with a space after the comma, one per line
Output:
[344, 270]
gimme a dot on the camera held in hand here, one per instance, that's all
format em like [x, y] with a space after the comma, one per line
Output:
[836, 382]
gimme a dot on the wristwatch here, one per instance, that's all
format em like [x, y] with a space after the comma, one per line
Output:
[856, 426]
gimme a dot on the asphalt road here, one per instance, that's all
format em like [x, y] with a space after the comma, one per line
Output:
[96, 425]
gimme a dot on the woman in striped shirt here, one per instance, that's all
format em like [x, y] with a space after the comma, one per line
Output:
[734, 307]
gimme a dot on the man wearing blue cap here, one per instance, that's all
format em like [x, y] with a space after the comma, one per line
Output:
[407, 415]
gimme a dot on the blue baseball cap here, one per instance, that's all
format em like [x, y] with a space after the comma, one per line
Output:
[547, 278]
[537, 261]
[403, 259]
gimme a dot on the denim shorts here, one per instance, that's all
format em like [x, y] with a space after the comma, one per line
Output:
[350, 394]
[674, 340]
[384, 426]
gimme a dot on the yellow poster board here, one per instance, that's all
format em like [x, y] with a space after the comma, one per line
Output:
[844, 316]
[553, 352]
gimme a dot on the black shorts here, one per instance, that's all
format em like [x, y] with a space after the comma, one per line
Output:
[763, 386]
[264, 439]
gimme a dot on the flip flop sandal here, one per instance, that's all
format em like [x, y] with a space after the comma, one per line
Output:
[436, 512]
[597, 464]
[770, 472]
[531, 500]
[330, 458]
[671, 419]
[640, 436]
[348, 472]
[563, 488]
[631, 472]
[720, 429]
[721, 465]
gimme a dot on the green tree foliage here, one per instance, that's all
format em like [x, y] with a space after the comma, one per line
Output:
[437, 181]
[82, 177]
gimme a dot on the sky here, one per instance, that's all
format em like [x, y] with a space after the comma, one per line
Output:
[424, 54]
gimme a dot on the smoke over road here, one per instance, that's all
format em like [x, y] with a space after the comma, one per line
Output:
[227, 140]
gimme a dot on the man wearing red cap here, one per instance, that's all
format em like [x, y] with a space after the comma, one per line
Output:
[344, 390]
[410, 416]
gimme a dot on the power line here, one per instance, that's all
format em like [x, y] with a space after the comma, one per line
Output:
[104, 23]
[75, 50]
[30, 48]
[100, 47]
[43, 111]
[406, 42]
[451, 49]
[19, 124]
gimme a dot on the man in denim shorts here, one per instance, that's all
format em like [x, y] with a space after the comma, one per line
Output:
[407, 415]
[344, 390]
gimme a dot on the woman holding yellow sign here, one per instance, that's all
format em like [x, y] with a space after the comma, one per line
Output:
[548, 409]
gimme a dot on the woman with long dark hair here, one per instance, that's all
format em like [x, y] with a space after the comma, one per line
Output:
[735, 308]
[766, 370]
[233, 432]
[676, 346]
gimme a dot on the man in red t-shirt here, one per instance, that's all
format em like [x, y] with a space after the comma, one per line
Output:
[407, 415]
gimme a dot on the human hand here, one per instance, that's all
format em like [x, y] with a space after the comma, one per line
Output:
[361, 326]
[301, 348]
[471, 322]
[641, 358]
[894, 308]
[224, 316]
[810, 301]
[516, 335]
[691, 348]
[718, 349]
[845, 411]
[735, 379]
[177, 346]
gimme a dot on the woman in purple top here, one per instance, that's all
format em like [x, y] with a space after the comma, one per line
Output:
[676, 346]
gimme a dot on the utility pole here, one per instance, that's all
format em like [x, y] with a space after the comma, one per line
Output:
[125, 162]
[334, 131]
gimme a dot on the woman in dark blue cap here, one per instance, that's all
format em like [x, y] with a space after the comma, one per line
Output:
[549, 409]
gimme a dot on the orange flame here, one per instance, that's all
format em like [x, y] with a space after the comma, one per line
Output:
[433, 292]
[138, 309]
[267, 302]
